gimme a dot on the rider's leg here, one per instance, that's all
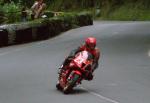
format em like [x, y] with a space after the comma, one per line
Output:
[64, 64]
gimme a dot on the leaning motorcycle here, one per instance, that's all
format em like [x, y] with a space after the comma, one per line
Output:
[77, 70]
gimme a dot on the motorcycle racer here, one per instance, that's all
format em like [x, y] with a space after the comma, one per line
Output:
[90, 46]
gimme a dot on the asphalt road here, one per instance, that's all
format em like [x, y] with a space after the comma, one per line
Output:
[28, 72]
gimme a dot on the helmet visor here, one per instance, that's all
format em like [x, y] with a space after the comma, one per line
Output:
[91, 46]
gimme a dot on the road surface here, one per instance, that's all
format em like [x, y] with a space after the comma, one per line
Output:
[28, 72]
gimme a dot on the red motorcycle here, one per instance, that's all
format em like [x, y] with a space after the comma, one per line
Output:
[77, 70]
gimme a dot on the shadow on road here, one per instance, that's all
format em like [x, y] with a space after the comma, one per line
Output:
[75, 91]
[78, 91]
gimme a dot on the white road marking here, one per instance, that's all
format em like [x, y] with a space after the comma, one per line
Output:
[19, 49]
[149, 53]
[100, 96]
[4, 53]
[115, 33]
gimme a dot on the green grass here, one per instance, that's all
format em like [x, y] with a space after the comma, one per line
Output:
[129, 12]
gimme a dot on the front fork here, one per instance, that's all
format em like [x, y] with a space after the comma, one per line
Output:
[72, 75]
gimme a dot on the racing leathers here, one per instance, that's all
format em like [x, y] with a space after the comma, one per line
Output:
[95, 53]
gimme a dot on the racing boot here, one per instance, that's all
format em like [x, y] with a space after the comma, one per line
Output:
[89, 77]
[61, 70]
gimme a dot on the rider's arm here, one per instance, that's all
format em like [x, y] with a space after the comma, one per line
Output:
[96, 63]
[74, 52]
[34, 6]
[95, 66]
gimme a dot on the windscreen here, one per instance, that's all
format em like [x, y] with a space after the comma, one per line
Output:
[82, 57]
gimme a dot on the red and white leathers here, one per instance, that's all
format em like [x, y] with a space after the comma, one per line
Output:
[90, 46]
[95, 52]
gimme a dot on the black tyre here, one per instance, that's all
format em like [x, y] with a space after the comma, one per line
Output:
[68, 88]
[58, 86]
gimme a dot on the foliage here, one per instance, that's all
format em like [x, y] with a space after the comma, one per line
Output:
[11, 12]
[1, 15]
[130, 12]
[71, 4]
[108, 9]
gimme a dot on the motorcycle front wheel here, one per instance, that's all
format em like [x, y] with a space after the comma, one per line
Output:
[71, 83]
[58, 86]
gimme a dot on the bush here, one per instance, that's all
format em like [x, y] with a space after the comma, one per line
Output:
[1, 15]
[130, 12]
[11, 12]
